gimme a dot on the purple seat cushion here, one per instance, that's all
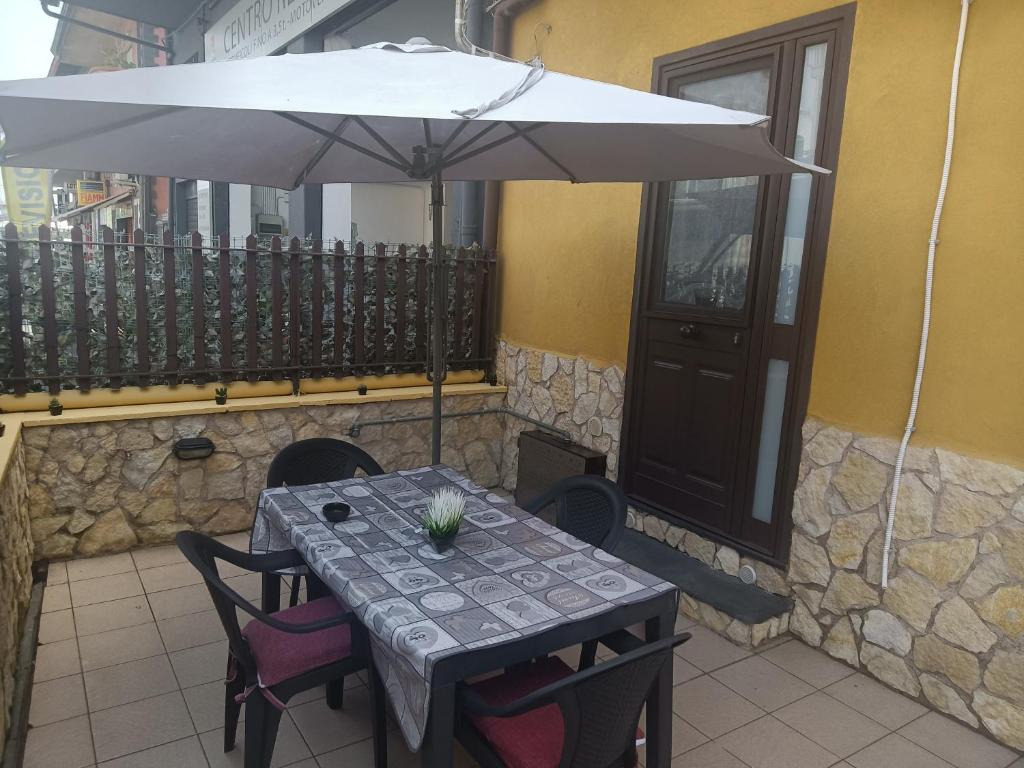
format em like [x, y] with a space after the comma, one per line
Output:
[532, 739]
[283, 655]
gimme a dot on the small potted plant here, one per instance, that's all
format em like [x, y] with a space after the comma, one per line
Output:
[220, 395]
[55, 407]
[444, 516]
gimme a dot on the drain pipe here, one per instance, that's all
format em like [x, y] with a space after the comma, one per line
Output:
[933, 241]
[358, 426]
[505, 12]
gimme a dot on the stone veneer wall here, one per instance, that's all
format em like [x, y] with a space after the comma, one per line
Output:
[109, 486]
[571, 393]
[15, 577]
[948, 630]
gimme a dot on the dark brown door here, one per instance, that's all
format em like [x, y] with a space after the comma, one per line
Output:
[726, 275]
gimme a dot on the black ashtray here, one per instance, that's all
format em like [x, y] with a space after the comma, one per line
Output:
[336, 511]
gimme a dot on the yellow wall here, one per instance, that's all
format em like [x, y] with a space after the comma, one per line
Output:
[569, 251]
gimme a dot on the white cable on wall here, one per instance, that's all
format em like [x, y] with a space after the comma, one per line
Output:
[933, 241]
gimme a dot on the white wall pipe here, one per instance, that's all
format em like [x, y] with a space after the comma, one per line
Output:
[933, 241]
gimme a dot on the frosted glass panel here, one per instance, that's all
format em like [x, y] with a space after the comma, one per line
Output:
[711, 221]
[800, 186]
[771, 433]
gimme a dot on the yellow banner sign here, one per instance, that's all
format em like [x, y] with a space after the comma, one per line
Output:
[29, 196]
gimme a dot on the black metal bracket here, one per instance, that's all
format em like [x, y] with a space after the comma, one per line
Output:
[44, 4]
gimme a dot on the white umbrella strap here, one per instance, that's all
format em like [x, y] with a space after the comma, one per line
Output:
[533, 75]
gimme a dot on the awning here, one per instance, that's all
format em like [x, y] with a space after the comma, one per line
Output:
[99, 204]
[159, 13]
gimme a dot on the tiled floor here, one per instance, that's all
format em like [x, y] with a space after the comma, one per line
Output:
[131, 659]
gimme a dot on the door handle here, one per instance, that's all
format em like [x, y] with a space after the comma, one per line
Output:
[737, 339]
[689, 331]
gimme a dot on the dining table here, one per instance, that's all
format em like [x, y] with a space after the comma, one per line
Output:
[511, 588]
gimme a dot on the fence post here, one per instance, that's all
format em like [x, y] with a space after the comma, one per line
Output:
[198, 309]
[170, 309]
[224, 289]
[276, 300]
[381, 290]
[339, 307]
[491, 326]
[317, 309]
[401, 296]
[81, 302]
[49, 298]
[294, 316]
[458, 333]
[479, 271]
[252, 358]
[141, 307]
[421, 305]
[359, 311]
[110, 309]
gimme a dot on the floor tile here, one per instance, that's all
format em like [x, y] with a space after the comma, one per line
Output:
[154, 557]
[769, 743]
[56, 625]
[238, 540]
[115, 614]
[56, 573]
[763, 683]
[189, 631]
[873, 699]
[120, 645]
[835, 726]
[170, 576]
[360, 755]
[140, 725]
[712, 708]
[809, 664]
[327, 729]
[894, 751]
[131, 681]
[55, 660]
[250, 586]
[290, 748]
[67, 744]
[710, 755]
[206, 705]
[94, 567]
[59, 699]
[956, 743]
[682, 670]
[186, 753]
[684, 738]
[182, 601]
[707, 650]
[105, 588]
[199, 665]
[56, 598]
[683, 623]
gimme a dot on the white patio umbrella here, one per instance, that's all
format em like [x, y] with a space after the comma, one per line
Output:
[381, 113]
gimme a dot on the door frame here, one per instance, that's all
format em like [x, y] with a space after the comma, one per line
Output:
[841, 20]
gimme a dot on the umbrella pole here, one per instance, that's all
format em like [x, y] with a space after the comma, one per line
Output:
[440, 314]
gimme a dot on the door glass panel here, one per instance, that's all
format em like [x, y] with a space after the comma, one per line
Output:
[800, 185]
[710, 227]
[771, 434]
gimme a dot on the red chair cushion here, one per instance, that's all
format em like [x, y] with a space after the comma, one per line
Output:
[283, 655]
[532, 739]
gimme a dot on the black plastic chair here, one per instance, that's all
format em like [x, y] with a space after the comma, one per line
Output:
[306, 462]
[546, 714]
[590, 507]
[593, 509]
[277, 656]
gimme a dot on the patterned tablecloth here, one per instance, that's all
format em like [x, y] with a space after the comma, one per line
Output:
[509, 575]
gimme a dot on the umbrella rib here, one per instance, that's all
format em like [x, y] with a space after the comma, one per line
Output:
[454, 135]
[551, 158]
[471, 140]
[321, 151]
[455, 158]
[426, 131]
[126, 123]
[338, 139]
[380, 140]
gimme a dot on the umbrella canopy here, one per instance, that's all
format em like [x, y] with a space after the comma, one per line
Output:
[381, 113]
[356, 115]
